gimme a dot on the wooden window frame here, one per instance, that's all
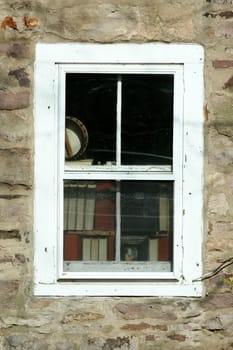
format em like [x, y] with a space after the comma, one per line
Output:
[53, 61]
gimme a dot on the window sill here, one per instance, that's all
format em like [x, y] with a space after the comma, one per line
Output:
[156, 289]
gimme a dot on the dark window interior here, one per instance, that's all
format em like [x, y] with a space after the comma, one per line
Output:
[146, 116]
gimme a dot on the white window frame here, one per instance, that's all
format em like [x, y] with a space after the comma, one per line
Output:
[53, 61]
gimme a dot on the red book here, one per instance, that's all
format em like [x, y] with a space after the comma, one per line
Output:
[163, 248]
[72, 247]
[105, 207]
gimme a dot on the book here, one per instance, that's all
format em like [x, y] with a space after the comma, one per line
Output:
[80, 207]
[71, 206]
[89, 207]
[72, 247]
[86, 249]
[153, 249]
[95, 249]
[163, 248]
[102, 249]
[105, 207]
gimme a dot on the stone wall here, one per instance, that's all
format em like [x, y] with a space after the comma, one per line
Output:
[29, 323]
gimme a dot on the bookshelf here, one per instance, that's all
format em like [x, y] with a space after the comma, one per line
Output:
[89, 226]
[89, 221]
[100, 246]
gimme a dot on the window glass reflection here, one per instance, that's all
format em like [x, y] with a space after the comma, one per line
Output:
[91, 99]
[146, 220]
[147, 119]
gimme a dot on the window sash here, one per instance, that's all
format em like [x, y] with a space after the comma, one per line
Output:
[121, 172]
[176, 70]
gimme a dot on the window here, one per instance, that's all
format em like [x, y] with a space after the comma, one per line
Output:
[118, 169]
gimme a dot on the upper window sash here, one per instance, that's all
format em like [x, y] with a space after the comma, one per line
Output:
[70, 169]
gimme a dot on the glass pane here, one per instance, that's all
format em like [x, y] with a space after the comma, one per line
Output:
[91, 127]
[89, 220]
[147, 119]
[146, 220]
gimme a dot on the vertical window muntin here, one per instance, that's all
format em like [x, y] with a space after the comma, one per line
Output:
[125, 172]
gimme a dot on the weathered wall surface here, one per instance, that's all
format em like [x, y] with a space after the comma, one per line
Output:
[29, 323]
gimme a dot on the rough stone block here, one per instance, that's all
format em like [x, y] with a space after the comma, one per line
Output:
[65, 346]
[15, 50]
[221, 113]
[213, 324]
[229, 83]
[29, 322]
[11, 101]
[218, 204]
[15, 211]
[216, 180]
[177, 337]
[21, 75]
[227, 321]
[8, 292]
[15, 340]
[82, 316]
[220, 64]
[222, 157]
[16, 166]
[16, 129]
[218, 301]
[136, 326]
[140, 311]
[11, 234]
[24, 342]
[109, 22]
[118, 343]
[224, 226]
[225, 29]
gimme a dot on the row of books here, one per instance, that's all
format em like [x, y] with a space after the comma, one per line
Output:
[94, 249]
[88, 207]
[89, 225]
[77, 247]
[82, 248]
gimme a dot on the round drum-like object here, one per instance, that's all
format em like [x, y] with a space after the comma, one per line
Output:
[76, 138]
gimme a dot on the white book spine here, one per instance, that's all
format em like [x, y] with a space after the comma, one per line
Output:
[80, 207]
[86, 249]
[89, 207]
[72, 209]
[153, 249]
[102, 249]
[95, 249]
